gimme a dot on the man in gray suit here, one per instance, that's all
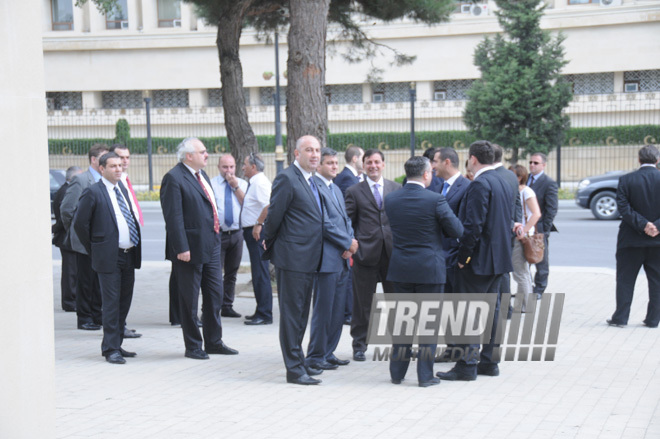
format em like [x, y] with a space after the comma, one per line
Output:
[88, 294]
[294, 234]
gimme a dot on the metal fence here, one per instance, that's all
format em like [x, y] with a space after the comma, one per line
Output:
[606, 131]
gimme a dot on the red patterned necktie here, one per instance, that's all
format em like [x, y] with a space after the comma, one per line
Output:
[216, 221]
[130, 188]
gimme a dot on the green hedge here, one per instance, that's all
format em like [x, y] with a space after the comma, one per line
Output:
[620, 135]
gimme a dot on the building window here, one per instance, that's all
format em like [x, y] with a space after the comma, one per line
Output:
[117, 18]
[582, 2]
[170, 98]
[169, 13]
[122, 99]
[453, 89]
[267, 95]
[215, 97]
[592, 83]
[647, 80]
[343, 94]
[64, 100]
[391, 92]
[62, 14]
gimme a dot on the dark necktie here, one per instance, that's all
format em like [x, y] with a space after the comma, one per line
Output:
[379, 199]
[445, 188]
[216, 221]
[132, 227]
[531, 180]
[229, 206]
[315, 191]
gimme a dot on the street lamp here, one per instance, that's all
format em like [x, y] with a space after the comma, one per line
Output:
[413, 93]
[146, 95]
[279, 149]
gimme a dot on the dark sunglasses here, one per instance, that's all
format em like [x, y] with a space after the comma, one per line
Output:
[534, 163]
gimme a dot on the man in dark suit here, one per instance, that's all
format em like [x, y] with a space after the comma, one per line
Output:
[420, 220]
[193, 245]
[352, 172]
[366, 209]
[294, 234]
[330, 293]
[69, 270]
[484, 253]
[88, 292]
[110, 232]
[638, 243]
[546, 194]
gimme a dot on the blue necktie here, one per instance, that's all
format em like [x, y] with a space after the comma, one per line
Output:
[445, 188]
[315, 190]
[132, 228]
[229, 206]
[332, 190]
[379, 199]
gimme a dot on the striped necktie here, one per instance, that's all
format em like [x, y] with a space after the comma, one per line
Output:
[132, 227]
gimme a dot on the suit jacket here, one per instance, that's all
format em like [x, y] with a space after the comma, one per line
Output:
[371, 226]
[345, 179]
[59, 232]
[295, 229]
[546, 194]
[331, 261]
[419, 220]
[454, 198]
[638, 201]
[95, 224]
[486, 216]
[512, 181]
[69, 206]
[188, 216]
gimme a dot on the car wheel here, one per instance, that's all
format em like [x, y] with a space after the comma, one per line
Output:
[603, 206]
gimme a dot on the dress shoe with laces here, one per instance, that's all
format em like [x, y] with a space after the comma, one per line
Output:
[337, 361]
[229, 312]
[456, 375]
[258, 321]
[130, 333]
[359, 356]
[431, 382]
[611, 322]
[115, 358]
[304, 380]
[491, 370]
[221, 349]
[196, 354]
[127, 354]
[323, 365]
[89, 326]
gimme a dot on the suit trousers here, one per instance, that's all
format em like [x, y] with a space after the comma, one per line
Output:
[88, 292]
[327, 316]
[232, 252]
[401, 353]
[629, 260]
[365, 279]
[175, 317]
[348, 295]
[69, 279]
[263, 291]
[542, 269]
[190, 278]
[117, 293]
[295, 296]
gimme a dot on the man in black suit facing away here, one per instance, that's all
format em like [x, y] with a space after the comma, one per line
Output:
[484, 253]
[294, 234]
[546, 190]
[193, 245]
[366, 209]
[352, 172]
[110, 232]
[419, 219]
[638, 243]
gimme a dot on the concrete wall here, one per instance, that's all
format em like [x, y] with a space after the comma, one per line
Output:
[27, 406]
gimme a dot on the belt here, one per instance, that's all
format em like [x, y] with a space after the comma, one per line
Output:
[127, 250]
[231, 232]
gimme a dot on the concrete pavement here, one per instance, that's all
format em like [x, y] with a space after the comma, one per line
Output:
[604, 382]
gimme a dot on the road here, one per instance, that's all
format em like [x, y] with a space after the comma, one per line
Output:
[581, 241]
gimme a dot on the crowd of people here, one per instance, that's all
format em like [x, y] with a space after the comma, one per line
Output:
[332, 237]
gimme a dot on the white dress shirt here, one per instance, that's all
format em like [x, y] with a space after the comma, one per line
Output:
[219, 185]
[380, 188]
[451, 180]
[482, 170]
[208, 187]
[257, 196]
[122, 226]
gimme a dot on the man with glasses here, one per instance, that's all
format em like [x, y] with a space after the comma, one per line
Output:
[546, 193]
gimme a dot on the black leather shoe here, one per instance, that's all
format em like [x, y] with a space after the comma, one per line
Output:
[432, 382]
[251, 316]
[454, 375]
[196, 354]
[89, 326]
[338, 362]
[313, 371]
[347, 321]
[611, 322]
[395, 381]
[229, 312]
[304, 380]
[127, 354]
[258, 321]
[649, 326]
[324, 365]
[115, 358]
[359, 356]
[222, 349]
[491, 370]
[130, 333]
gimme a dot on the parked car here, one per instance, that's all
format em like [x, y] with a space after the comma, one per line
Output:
[598, 193]
[57, 179]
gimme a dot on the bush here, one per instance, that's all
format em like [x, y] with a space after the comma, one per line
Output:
[122, 132]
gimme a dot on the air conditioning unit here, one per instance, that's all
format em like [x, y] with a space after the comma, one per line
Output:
[439, 95]
[124, 24]
[631, 87]
[608, 3]
[479, 10]
[176, 23]
[378, 97]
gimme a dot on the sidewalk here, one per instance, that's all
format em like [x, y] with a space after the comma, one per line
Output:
[604, 382]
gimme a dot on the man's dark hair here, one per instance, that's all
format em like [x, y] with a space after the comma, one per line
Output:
[368, 153]
[118, 146]
[449, 153]
[104, 159]
[352, 151]
[71, 172]
[96, 150]
[416, 166]
[543, 157]
[648, 154]
[327, 152]
[483, 151]
[497, 150]
[430, 153]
